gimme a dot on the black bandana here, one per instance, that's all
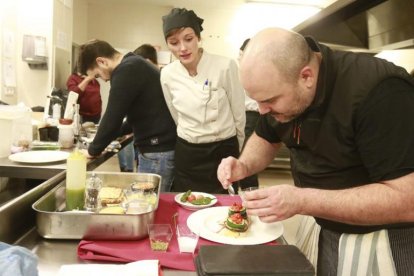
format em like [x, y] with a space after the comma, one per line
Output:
[179, 18]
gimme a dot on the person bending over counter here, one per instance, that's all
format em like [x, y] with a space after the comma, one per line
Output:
[347, 120]
[136, 94]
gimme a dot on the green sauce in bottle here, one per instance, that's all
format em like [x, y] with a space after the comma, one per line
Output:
[75, 181]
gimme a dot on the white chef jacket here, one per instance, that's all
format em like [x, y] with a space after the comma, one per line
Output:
[251, 105]
[208, 107]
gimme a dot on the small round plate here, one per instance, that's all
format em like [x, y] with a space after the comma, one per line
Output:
[189, 206]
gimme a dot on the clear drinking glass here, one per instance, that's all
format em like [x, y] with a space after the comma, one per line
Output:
[187, 239]
[159, 236]
[246, 190]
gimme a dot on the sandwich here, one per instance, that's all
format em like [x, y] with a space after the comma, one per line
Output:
[110, 196]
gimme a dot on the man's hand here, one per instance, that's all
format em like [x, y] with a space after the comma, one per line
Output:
[272, 204]
[230, 170]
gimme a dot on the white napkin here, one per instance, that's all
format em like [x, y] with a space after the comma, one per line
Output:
[139, 268]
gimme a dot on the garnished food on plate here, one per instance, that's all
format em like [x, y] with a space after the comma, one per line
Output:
[237, 219]
[237, 223]
[238, 208]
[195, 199]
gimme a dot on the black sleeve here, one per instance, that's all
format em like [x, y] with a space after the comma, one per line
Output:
[126, 82]
[266, 129]
[384, 130]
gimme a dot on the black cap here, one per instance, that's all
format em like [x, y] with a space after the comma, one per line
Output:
[179, 18]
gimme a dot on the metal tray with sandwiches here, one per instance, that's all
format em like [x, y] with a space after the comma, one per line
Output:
[54, 222]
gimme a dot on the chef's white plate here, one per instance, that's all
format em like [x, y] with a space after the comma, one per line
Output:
[39, 156]
[208, 223]
[189, 206]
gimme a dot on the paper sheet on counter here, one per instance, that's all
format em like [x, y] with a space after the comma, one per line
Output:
[139, 268]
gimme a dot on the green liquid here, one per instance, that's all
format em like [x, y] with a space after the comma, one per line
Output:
[75, 199]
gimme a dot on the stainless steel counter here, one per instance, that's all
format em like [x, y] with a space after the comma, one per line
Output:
[52, 254]
[31, 171]
[16, 213]
[45, 171]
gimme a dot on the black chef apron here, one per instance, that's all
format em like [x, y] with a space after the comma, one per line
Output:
[196, 164]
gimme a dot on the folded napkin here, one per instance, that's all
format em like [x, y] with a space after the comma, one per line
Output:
[140, 268]
[127, 251]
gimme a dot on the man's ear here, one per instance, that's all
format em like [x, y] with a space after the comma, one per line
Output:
[100, 61]
[307, 76]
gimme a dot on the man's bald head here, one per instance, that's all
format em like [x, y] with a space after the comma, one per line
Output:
[287, 51]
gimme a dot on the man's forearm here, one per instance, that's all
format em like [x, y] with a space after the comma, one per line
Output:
[372, 204]
[258, 154]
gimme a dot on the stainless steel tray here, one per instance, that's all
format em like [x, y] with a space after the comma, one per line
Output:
[54, 223]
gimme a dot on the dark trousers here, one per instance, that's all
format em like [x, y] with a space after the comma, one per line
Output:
[93, 119]
[196, 165]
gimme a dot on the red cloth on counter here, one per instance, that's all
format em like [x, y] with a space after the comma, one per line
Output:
[128, 251]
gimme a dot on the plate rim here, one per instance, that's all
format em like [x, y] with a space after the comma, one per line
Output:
[192, 206]
[64, 156]
[198, 218]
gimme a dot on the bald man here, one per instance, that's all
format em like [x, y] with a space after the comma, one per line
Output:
[347, 120]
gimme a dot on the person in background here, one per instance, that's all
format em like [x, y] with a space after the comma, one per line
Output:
[346, 118]
[252, 115]
[136, 94]
[148, 52]
[90, 101]
[130, 153]
[206, 100]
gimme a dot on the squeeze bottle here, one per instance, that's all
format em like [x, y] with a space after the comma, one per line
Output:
[75, 180]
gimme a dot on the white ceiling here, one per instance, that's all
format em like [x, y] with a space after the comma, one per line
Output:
[216, 3]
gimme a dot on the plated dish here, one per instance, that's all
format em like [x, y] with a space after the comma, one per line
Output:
[39, 156]
[209, 223]
[190, 206]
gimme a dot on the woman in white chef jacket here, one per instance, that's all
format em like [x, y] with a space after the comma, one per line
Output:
[206, 100]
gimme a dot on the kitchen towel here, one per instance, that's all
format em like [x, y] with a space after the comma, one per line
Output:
[17, 261]
[128, 251]
[365, 254]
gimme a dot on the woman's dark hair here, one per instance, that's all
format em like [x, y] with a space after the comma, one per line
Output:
[147, 51]
[92, 50]
[75, 68]
[244, 44]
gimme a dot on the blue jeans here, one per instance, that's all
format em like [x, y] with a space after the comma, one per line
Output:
[126, 158]
[161, 163]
